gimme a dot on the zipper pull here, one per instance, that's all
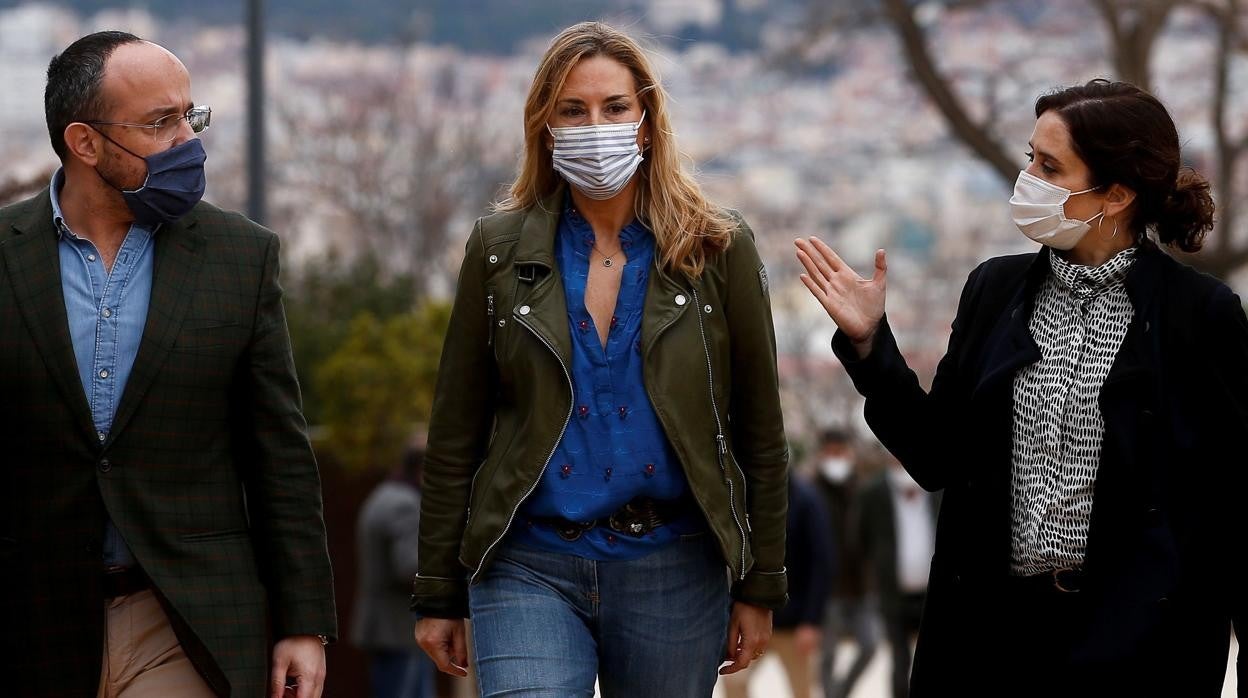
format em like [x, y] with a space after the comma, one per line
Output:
[722, 443]
[489, 311]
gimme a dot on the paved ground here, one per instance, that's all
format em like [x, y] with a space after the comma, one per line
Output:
[769, 681]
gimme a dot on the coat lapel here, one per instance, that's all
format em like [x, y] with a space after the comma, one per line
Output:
[34, 267]
[1010, 345]
[540, 302]
[174, 279]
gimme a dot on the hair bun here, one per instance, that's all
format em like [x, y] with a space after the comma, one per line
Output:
[1186, 216]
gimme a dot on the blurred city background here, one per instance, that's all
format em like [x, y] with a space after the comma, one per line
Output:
[390, 125]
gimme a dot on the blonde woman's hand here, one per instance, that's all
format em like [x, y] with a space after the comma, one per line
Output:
[855, 304]
[445, 640]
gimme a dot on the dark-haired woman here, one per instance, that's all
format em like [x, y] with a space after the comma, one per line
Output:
[1087, 424]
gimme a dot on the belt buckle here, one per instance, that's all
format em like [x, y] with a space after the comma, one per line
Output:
[1057, 580]
[628, 522]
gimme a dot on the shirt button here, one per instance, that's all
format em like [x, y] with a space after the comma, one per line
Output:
[493, 259]
[104, 373]
[680, 299]
[524, 310]
[100, 435]
[104, 465]
[107, 312]
[606, 474]
[90, 258]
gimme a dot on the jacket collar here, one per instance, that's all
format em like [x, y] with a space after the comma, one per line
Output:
[537, 233]
[1010, 345]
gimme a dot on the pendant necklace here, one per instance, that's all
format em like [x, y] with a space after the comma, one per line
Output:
[606, 259]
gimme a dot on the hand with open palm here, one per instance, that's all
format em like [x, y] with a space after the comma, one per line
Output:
[855, 304]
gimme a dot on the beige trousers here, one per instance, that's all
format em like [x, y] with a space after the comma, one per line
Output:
[798, 668]
[142, 657]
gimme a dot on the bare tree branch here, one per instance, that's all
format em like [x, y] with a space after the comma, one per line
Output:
[939, 89]
[1134, 26]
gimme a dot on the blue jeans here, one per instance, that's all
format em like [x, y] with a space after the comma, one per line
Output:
[401, 674]
[546, 624]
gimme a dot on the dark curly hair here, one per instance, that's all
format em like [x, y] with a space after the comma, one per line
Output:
[1126, 136]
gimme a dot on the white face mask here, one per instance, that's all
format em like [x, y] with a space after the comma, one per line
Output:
[600, 159]
[1038, 208]
[837, 469]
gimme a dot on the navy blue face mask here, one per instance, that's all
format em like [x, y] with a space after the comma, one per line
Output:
[175, 183]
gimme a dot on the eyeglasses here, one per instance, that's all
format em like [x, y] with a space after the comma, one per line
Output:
[165, 128]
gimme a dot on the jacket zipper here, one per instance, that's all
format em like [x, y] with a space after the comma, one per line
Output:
[489, 311]
[571, 399]
[721, 443]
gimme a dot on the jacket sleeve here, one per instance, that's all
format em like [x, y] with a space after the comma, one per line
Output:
[913, 424]
[280, 473]
[1227, 343]
[459, 430]
[756, 422]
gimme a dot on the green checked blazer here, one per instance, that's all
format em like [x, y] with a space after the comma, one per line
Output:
[207, 472]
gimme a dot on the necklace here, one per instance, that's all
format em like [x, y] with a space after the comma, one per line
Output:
[606, 258]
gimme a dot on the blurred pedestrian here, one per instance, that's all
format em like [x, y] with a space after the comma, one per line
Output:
[809, 560]
[897, 526]
[161, 531]
[387, 537]
[850, 611]
[606, 439]
[1091, 540]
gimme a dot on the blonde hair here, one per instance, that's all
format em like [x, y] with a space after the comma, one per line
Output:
[688, 228]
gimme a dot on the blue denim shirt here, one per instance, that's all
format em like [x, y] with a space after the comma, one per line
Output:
[107, 312]
[613, 448]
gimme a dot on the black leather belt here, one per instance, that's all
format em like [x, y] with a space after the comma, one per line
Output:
[636, 519]
[1062, 581]
[123, 581]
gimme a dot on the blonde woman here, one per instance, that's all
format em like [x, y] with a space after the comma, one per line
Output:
[606, 473]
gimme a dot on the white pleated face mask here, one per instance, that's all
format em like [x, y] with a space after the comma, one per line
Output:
[600, 159]
[1038, 208]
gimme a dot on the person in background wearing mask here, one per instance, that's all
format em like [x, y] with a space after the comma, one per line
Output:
[161, 504]
[606, 477]
[897, 526]
[387, 536]
[1091, 537]
[850, 611]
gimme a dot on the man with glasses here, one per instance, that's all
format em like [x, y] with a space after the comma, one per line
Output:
[160, 507]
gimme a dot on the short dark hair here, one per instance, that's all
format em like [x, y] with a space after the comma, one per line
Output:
[73, 90]
[1126, 136]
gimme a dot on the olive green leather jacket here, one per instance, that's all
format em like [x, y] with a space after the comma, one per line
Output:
[504, 396]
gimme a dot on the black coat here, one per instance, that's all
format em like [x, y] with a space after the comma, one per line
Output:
[1165, 561]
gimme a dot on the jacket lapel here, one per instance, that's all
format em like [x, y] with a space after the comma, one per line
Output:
[1010, 345]
[34, 267]
[540, 303]
[174, 279]
[661, 306]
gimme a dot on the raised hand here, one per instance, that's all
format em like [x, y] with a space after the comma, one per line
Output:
[855, 304]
